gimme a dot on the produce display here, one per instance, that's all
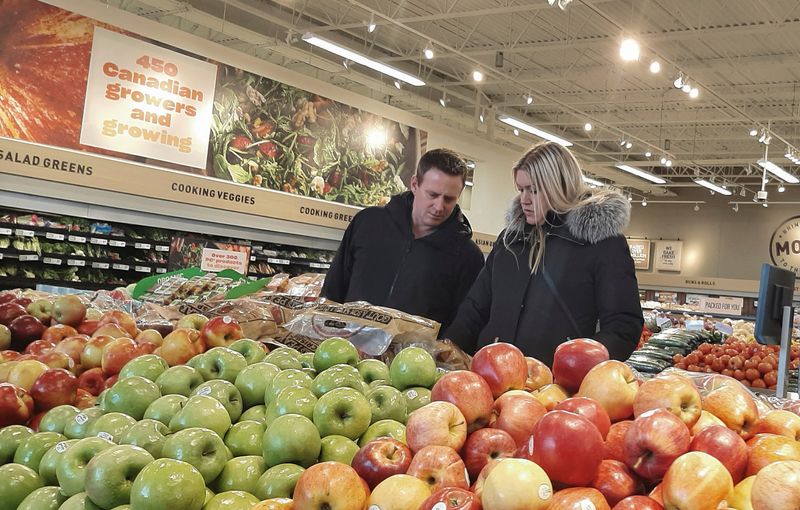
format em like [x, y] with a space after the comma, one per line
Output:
[656, 352]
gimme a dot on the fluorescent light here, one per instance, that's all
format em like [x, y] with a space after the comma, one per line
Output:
[481, 118]
[713, 187]
[511, 121]
[477, 75]
[641, 173]
[593, 182]
[397, 84]
[629, 50]
[358, 58]
[778, 172]
[655, 67]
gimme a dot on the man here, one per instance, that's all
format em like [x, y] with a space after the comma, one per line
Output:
[416, 254]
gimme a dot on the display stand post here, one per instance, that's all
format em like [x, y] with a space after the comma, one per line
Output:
[784, 355]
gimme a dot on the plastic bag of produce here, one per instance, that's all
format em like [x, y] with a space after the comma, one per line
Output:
[259, 317]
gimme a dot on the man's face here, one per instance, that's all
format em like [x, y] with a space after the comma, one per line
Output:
[434, 198]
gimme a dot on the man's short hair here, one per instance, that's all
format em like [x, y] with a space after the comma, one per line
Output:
[446, 160]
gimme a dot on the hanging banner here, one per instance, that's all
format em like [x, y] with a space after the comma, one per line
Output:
[784, 246]
[668, 255]
[640, 252]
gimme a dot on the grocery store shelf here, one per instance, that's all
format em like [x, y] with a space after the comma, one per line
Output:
[12, 283]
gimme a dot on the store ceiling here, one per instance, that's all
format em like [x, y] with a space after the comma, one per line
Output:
[742, 55]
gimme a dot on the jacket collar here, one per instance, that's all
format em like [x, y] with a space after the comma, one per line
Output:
[453, 228]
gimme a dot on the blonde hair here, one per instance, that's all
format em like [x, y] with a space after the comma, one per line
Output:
[555, 174]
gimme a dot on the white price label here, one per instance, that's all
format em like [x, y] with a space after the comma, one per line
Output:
[5, 231]
[545, 491]
[412, 393]
[663, 322]
[161, 270]
[97, 240]
[252, 258]
[320, 265]
[143, 269]
[725, 329]
[54, 236]
[121, 267]
[117, 244]
[24, 233]
[439, 506]
[270, 253]
[283, 262]
[695, 325]
[27, 258]
[62, 446]
[53, 261]
[76, 262]
[142, 246]
[205, 390]
[253, 277]
[105, 435]
[161, 247]
[100, 265]
[76, 239]
[81, 418]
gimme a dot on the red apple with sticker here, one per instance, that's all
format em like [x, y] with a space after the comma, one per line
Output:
[381, 458]
[221, 332]
[469, 392]
[726, 446]
[517, 412]
[653, 442]
[452, 498]
[437, 423]
[573, 359]
[502, 366]
[485, 445]
[590, 410]
[539, 374]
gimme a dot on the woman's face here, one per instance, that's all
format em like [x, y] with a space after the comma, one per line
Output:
[533, 202]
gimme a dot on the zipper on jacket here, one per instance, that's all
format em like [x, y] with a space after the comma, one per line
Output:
[399, 268]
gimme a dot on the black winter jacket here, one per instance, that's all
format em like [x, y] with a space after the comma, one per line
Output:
[380, 261]
[590, 267]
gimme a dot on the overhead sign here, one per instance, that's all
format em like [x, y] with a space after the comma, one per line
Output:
[784, 246]
[148, 101]
[668, 255]
[721, 305]
[640, 252]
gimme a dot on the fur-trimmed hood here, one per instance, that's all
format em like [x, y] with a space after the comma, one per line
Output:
[601, 215]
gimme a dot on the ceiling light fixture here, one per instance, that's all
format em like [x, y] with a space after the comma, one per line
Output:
[477, 75]
[358, 58]
[587, 126]
[428, 51]
[713, 187]
[765, 205]
[516, 132]
[622, 142]
[444, 100]
[397, 84]
[630, 198]
[371, 26]
[735, 207]
[743, 192]
[686, 88]
[648, 154]
[753, 132]
[346, 64]
[629, 50]
[655, 67]
[511, 121]
[529, 99]
[593, 182]
[663, 160]
[781, 188]
[694, 93]
[481, 117]
[641, 173]
[777, 171]
[628, 145]
[678, 83]
[644, 202]
[668, 163]
[696, 207]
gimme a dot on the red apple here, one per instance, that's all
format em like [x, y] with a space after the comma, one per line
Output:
[539, 374]
[735, 407]
[783, 423]
[116, 354]
[616, 481]
[121, 319]
[696, 480]
[777, 487]
[675, 393]
[7, 297]
[88, 327]
[439, 466]
[517, 413]
[638, 503]
[484, 445]
[653, 442]
[150, 336]
[706, 420]
[55, 359]
[24, 373]
[84, 399]
[613, 385]
[145, 348]
[452, 498]
[38, 347]
[5, 337]
[467, 391]
[567, 446]
[72, 346]
[54, 388]
[180, 346]
[616, 438]
[92, 381]
[578, 498]
[9, 355]
[110, 381]
[330, 486]
[16, 406]
[10, 311]
[112, 330]
[502, 366]
[657, 494]
[768, 448]
[437, 423]
[726, 446]
[92, 353]
[36, 420]
[590, 410]
[574, 358]
[58, 332]
[381, 458]
[550, 395]
[221, 332]
[23, 301]
[25, 329]
[69, 310]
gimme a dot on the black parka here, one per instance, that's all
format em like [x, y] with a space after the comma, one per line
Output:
[592, 293]
[380, 261]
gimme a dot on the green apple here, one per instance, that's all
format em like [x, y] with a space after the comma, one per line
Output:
[202, 411]
[50, 460]
[252, 351]
[252, 382]
[110, 474]
[202, 448]
[16, 483]
[78, 428]
[245, 438]
[416, 397]
[179, 380]
[168, 484]
[284, 358]
[343, 412]
[231, 500]
[43, 498]
[192, 321]
[439, 373]
[209, 494]
[338, 449]
[221, 363]
[10, 438]
[334, 351]
[384, 428]
[240, 474]
[111, 426]
[149, 366]
[131, 396]
[278, 481]
[147, 434]
[194, 360]
[79, 501]
[291, 438]
[57, 418]
[387, 403]
[379, 382]
[31, 449]
[164, 408]
[225, 393]
[256, 413]
[71, 470]
[286, 378]
[337, 376]
[413, 366]
[291, 400]
[307, 360]
[373, 370]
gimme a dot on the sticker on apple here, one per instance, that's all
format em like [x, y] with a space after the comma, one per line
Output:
[62, 447]
[439, 506]
[545, 491]
[81, 418]
[106, 436]
[374, 507]
[587, 505]
[412, 393]
[205, 390]
[227, 319]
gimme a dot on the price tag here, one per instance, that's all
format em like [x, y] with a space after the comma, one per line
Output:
[161, 270]
[695, 325]
[5, 231]
[54, 236]
[319, 265]
[252, 258]
[117, 244]
[105, 435]
[76, 262]
[205, 390]
[270, 253]
[81, 418]
[62, 446]
[283, 262]
[663, 322]
[96, 240]
[253, 277]
[121, 267]
[27, 258]
[53, 261]
[161, 247]
[24, 233]
[142, 246]
[100, 265]
[725, 329]
[143, 269]
[76, 239]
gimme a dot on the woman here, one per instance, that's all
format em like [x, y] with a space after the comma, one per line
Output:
[561, 268]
